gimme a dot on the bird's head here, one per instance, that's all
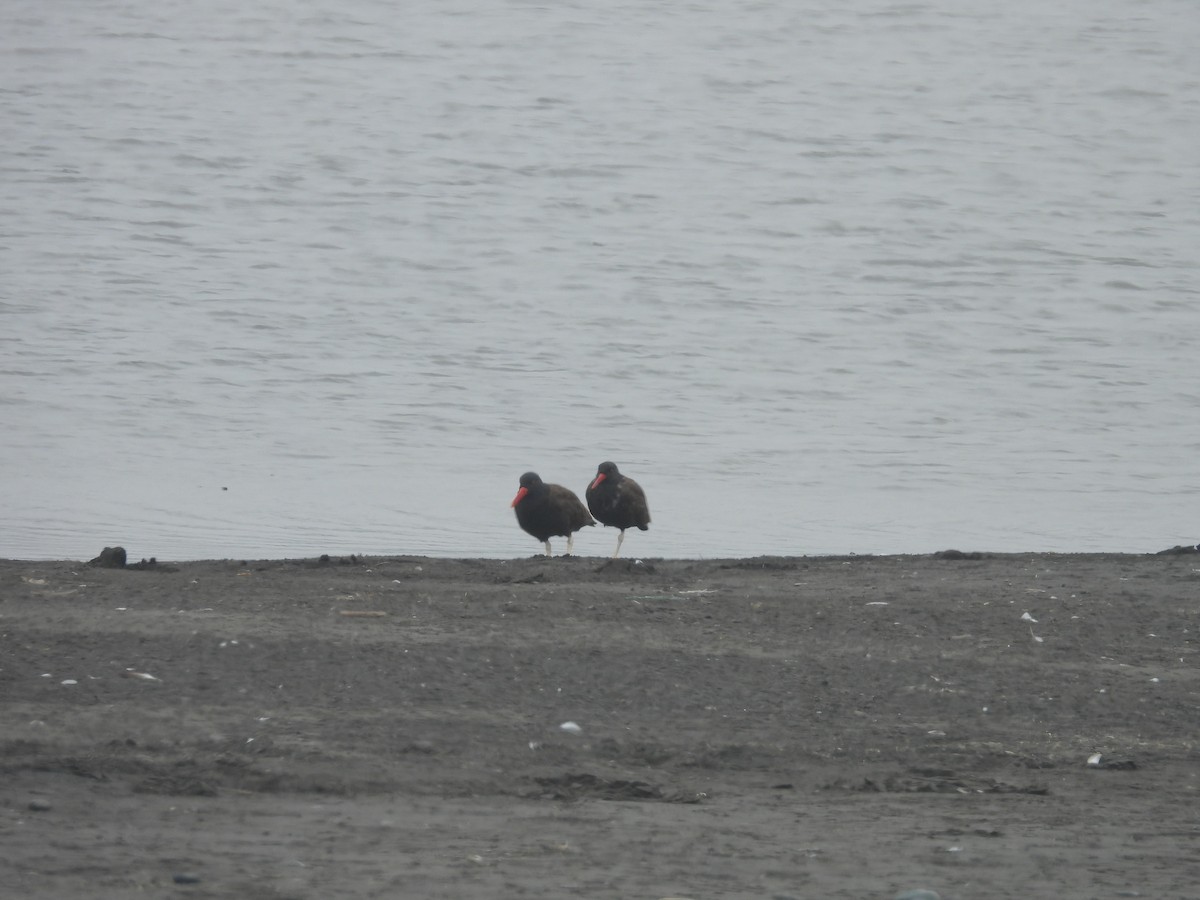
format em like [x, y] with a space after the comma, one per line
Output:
[603, 471]
[529, 481]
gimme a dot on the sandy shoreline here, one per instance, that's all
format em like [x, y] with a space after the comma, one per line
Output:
[770, 727]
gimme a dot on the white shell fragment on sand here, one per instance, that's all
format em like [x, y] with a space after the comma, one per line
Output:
[570, 728]
[1094, 759]
[1026, 617]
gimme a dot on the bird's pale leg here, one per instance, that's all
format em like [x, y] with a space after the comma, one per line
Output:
[620, 538]
[570, 543]
[548, 553]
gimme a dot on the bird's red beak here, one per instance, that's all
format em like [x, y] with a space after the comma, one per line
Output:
[599, 478]
[520, 495]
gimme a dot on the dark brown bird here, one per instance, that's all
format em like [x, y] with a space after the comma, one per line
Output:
[617, 501]
[549, 510]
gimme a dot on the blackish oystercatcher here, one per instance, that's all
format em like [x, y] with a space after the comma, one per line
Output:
[617, 501]
[549, 510]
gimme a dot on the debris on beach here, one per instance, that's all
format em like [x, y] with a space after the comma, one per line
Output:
[1179, 549]
[958, 554]
[1099, 761]
[109, 558]
[115, 558]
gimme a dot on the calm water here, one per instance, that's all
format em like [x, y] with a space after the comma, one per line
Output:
[288, 278]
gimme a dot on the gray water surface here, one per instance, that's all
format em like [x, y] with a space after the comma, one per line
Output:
[281, 279]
